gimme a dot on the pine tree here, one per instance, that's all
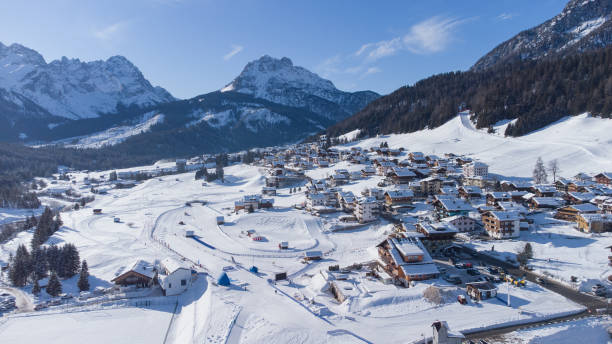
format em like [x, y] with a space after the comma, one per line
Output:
[83, 282]
[54, 287]
[39, 261]
[528, 250]
[21, 267]
[539, 172]
[36, 288]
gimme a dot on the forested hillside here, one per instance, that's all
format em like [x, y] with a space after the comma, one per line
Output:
[537, 93]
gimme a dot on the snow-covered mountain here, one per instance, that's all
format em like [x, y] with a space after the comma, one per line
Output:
[271, 102]
[279, 81]
[70, 88]
[583, 25]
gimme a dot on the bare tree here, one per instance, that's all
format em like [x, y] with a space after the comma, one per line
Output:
[553, 168]
[539, 172]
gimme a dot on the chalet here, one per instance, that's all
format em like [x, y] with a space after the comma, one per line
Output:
[140, 274]
[545, 203]
[379, 194]
[577, 186]
[269, 191]
[501, 225]
[406, 260]
[338, 179]
[562, 185]
[511, 206]
[314, 200]
[436, 230]
[517, 196]
[571, 212]
[544, 190]
[582, 177]
[430, 185]
[174, 278]
[494, 197]
[417, 157]
[481, 290]
[606, 207]
[253, 202]
[462, 223]
[395, 197]
[451, 206]
[594, 223]
[515, 186]
[367, 209]
[401, 175]
[470, 192]
[578, 197]
[347, 200]
[368, 171]
[604, 178]
[384, 167]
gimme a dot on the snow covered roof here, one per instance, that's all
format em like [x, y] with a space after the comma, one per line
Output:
[549, 201]
[454, 204]
[419, 269]
[403, 193]
[141, 267]
[171, 265]
[407, 247]
[506, 215]
[585, 207]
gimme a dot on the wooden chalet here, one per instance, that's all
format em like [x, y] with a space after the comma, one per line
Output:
[140, 274]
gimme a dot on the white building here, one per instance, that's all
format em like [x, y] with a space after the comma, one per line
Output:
[174, 278]
[462, 223]
[367, 209]
[315, 200]
[476, 169]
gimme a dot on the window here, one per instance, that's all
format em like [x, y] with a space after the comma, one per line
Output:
[183, 282]
[169, 285]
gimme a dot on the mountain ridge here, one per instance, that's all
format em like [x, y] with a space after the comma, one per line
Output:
[583, 25]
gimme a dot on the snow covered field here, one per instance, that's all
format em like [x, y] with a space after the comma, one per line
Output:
[591, 330]
[580, 144]
[119, 325]
[560, 251]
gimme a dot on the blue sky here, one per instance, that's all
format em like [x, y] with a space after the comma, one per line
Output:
[193, 47]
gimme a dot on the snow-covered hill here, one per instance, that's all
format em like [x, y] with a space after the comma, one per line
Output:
[279, 81]
[71, 88]
[583, 25]
[580, 144]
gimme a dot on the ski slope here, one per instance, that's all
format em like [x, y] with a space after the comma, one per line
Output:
[580, 144]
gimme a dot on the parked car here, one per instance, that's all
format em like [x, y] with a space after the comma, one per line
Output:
[454, 279]
[473, 272]
[492, 270]
[541, 281]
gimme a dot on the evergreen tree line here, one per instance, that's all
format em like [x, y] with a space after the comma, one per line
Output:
[536, 92]
[30, 266]
[46, 226]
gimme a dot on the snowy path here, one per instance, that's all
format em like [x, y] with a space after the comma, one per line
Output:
[23, 301]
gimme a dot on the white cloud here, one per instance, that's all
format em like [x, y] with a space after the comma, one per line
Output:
[110, 31]
[426, 37]
[506, 16]
[372, 70]
[235, 50]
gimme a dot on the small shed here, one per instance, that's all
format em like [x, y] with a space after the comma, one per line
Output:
[254, 269]
[283, 245]
[481, 290]
[220, 220]
[279, 276]
[97, 211]
[313, 255]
